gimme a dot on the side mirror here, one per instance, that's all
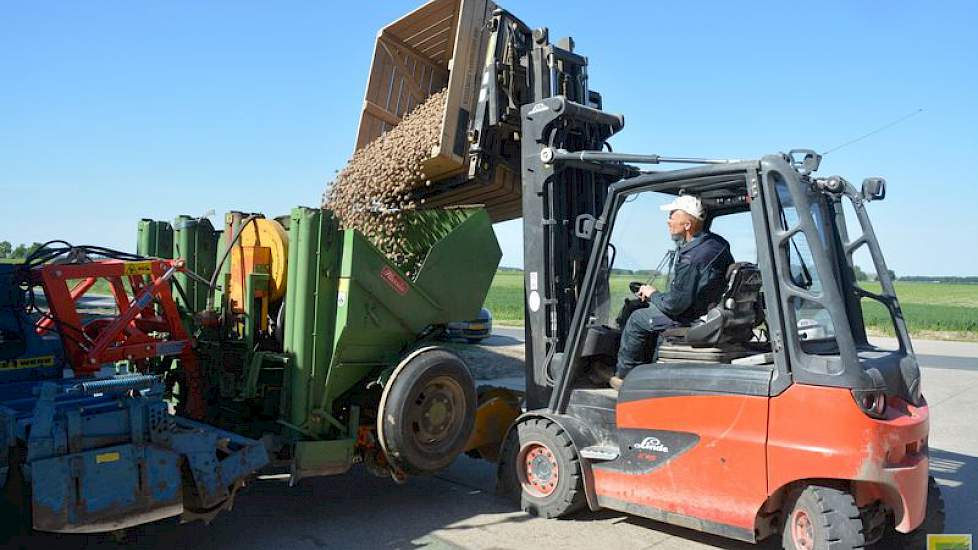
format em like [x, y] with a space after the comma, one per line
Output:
[874, 189]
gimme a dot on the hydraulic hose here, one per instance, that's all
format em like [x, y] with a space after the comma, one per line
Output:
[220, 264]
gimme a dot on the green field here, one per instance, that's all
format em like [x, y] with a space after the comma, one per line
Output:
[938, 310]
[932, 309]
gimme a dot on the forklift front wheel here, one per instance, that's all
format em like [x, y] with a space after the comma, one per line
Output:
[545, 467]
[822, 518]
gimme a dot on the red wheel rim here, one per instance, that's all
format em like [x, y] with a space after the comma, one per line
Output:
[802, 530]
[539, 473]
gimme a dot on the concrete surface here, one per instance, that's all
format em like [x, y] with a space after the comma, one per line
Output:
[458, 509]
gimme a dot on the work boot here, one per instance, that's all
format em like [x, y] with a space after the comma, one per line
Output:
[615, 383]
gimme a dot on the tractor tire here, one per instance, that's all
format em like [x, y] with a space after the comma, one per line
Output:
[540, 464]
[823, 518]
[933, 523]
[427, 412]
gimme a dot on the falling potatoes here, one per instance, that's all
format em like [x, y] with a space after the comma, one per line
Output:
[374, 188]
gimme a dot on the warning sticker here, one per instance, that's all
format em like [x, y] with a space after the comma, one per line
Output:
[107, 457]
[28, 362]
[394, 280]
[138, 268]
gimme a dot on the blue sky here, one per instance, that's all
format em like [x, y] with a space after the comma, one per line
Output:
[115, 111]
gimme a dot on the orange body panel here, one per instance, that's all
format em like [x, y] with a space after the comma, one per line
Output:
[722, 478]
[244, 261]
[819, 432]
[742, 457]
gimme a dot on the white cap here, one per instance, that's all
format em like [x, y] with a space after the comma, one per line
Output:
[688, 204]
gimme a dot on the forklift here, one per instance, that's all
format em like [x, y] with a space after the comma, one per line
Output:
[771, 414]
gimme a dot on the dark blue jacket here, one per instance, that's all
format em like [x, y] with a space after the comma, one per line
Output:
[699, 279]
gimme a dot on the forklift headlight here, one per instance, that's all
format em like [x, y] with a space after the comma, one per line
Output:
[871, 402]
[832, 184]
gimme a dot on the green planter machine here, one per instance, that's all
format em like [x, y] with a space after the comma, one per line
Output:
[309, 338]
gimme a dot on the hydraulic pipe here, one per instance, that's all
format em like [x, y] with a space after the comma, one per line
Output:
[550, 155]
[220, 264]
[577, 111]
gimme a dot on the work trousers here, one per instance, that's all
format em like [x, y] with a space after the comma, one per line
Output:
[640, 338]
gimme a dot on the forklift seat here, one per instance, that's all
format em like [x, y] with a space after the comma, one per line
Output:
[721, 335]
[733, 319]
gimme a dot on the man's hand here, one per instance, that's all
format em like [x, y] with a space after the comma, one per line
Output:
[646, 291]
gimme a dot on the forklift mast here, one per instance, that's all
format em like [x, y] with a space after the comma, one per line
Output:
[535, 97]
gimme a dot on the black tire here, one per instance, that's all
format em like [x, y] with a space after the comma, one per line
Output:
[933, 523]
[822, 518]
[556, 488]
[428, 413]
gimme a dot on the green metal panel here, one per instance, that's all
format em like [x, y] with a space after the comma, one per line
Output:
[460, 265]
[252, 310]
[195, 240]
[155, 239]
[224, 277]
[310, 306]
[314, 458]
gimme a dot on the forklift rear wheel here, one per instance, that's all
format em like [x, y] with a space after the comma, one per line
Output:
[543, 465]
[823, 518]
[428, 412]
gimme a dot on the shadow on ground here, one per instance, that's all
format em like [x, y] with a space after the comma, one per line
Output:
[355, 510]
[957, 475]
[497, 340]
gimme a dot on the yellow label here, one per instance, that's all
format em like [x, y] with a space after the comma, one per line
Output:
[949, 542]
[138, 268]
[28, 363]
[106, 457]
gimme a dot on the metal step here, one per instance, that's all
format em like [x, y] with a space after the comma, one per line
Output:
[600, 453]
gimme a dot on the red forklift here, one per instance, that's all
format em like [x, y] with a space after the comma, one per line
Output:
[771, 415]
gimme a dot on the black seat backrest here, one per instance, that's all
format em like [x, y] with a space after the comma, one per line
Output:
[733, 319]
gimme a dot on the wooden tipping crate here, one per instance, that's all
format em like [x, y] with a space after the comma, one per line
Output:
[441, 44]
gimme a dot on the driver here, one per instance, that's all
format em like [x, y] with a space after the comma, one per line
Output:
[699, 277]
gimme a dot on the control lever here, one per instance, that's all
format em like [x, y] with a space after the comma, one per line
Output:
[631, 304]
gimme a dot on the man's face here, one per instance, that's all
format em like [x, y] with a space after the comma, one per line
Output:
[678, 223]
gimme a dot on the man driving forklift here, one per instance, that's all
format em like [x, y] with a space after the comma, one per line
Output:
[699, 276]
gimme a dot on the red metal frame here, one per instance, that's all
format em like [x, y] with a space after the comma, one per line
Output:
[135, 333]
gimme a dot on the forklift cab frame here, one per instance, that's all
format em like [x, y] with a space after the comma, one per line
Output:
[768, 189]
